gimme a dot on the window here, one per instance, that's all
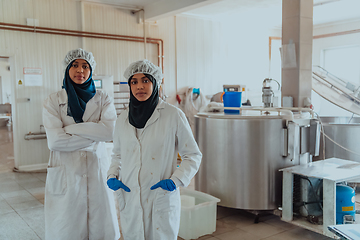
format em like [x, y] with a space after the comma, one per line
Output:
[344, 63]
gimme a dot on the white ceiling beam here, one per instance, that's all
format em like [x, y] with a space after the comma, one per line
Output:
[165, 8]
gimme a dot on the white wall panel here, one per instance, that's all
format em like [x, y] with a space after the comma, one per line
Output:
[166, 31]
[113, 55]
[211, 53]
[10, 10]
[198, 54]
[194, 54]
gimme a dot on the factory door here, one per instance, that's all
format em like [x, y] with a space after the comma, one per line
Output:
[6, 126]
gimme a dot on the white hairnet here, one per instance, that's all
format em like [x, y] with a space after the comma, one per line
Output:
[144, 66]
[80, 54]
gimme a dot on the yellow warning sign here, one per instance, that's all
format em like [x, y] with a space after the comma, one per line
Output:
[346, 209]
[20, 82]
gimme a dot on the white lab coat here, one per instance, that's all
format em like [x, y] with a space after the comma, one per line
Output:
[78, 204]
[140, 162]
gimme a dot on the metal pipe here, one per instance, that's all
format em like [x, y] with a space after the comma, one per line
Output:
[35, 136]
[337, 34]
[71, 31]
[74, 33]
[159, 57]
[162, 54]
[278, 110]
[301, 109]
[83, 34]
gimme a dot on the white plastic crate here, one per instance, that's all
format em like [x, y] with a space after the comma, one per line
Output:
[198, 214]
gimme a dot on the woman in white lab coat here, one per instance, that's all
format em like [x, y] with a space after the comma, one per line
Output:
[78, 120]
[143, 172]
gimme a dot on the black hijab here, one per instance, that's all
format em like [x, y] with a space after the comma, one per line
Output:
[141, 111]
[78, 94]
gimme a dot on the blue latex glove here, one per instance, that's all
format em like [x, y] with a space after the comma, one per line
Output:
[166, 184]
[115, 184]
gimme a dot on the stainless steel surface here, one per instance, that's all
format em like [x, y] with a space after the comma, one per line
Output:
[304, 139]
[284, 142]
[294, 141]
[315, 130]
[35, 136]
[267, 96]
[241, 158]
[344, 131]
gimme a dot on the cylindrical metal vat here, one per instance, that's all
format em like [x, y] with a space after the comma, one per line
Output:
[241, 158]
[345, 131]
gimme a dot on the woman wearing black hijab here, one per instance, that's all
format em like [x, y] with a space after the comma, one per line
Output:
[143, 172]
[78, 120]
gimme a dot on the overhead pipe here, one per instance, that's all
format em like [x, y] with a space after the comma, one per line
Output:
[69, 31]
[75, 33]
[337, 33]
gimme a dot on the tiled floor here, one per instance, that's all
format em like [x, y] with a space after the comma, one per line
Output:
[22, 209]
[21, 197]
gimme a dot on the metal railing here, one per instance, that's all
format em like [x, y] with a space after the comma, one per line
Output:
[345, 88]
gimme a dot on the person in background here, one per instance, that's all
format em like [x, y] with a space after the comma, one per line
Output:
[143, 172]
[78, 120]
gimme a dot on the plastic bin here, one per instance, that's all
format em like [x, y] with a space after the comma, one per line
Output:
[232, 99]
[198, 214]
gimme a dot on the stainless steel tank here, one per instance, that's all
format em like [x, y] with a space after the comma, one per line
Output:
[344, 131]
[241, 158]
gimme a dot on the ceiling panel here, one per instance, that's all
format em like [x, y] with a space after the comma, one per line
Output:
[325, 11]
